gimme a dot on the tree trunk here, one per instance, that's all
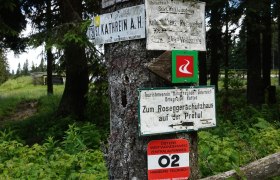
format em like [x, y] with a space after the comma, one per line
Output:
[255, 93]
[266, 48]
[202, 68]
[261, 169]
[49, 71]
[215, 45]
[73, 100]
[226, 63]
[278, 21]
[127, 152]
[49, 50]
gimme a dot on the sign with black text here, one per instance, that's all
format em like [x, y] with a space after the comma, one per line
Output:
[175, 24]
[168, 159]
[122, 25]
[170, 110]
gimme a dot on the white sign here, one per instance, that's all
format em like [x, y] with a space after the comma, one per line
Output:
[176, 109]
[175, 24]
[125, 24]
[107, 3]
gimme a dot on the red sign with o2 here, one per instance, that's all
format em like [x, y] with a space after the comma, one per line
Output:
[168, 159]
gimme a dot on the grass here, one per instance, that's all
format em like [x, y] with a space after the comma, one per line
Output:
[20, 89]
[23, 88]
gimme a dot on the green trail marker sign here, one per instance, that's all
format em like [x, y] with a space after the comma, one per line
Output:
[184, 66]
[171, 110]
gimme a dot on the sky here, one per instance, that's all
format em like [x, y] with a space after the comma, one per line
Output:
[31, 54]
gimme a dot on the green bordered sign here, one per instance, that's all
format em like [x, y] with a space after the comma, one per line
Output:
[172, 110]
[184, 66]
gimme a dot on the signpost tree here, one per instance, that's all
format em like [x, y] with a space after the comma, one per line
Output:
[132, 41]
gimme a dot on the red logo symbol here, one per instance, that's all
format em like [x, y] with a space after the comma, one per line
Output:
[184, 66]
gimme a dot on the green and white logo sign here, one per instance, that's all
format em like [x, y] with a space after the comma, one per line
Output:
[184, 66]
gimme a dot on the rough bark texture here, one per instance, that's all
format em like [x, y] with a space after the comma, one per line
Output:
[278, 21]
[266, 44]
[255, 93]
[49, 71]
[202, 68]
[73, 100]
[264, 168]
[215, 43]
[126, 156]
[50, 57]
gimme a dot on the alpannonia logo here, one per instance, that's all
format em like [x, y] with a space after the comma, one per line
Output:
[184, 66]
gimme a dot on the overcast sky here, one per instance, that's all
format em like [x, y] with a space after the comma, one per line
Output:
[31, 54]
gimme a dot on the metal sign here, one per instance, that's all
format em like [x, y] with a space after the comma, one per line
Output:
[184, 66]
[168, 159]
[122, 25]
[108, 3]
[170, 110]
[175, 24]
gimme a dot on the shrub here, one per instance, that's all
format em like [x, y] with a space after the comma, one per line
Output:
[52, 160]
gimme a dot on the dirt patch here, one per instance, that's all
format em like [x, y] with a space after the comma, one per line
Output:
[24, 109]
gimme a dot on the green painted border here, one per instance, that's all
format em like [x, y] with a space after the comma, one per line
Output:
[193, 79]
[175, 87]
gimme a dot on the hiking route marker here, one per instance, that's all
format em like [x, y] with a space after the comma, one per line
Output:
[171, 110]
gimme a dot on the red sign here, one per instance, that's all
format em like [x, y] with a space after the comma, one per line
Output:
[168, 159]
[184, 66]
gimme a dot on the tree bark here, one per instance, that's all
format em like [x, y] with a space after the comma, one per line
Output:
[126, 156]
[278, 21]
[266, 44]
[49, 50]
[261, 169]
[267, 49]
[73, 100]
[215, 44]
[202, 68]
[255, 95]
[49, 71]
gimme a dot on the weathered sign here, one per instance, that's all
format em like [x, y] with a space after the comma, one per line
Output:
[122, 25]
[170, 110]
[175, 24]
[107, 3]
[168, 159]
[161, 66]
[184, 66]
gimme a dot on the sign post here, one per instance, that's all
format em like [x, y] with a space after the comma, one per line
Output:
[168, 159]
